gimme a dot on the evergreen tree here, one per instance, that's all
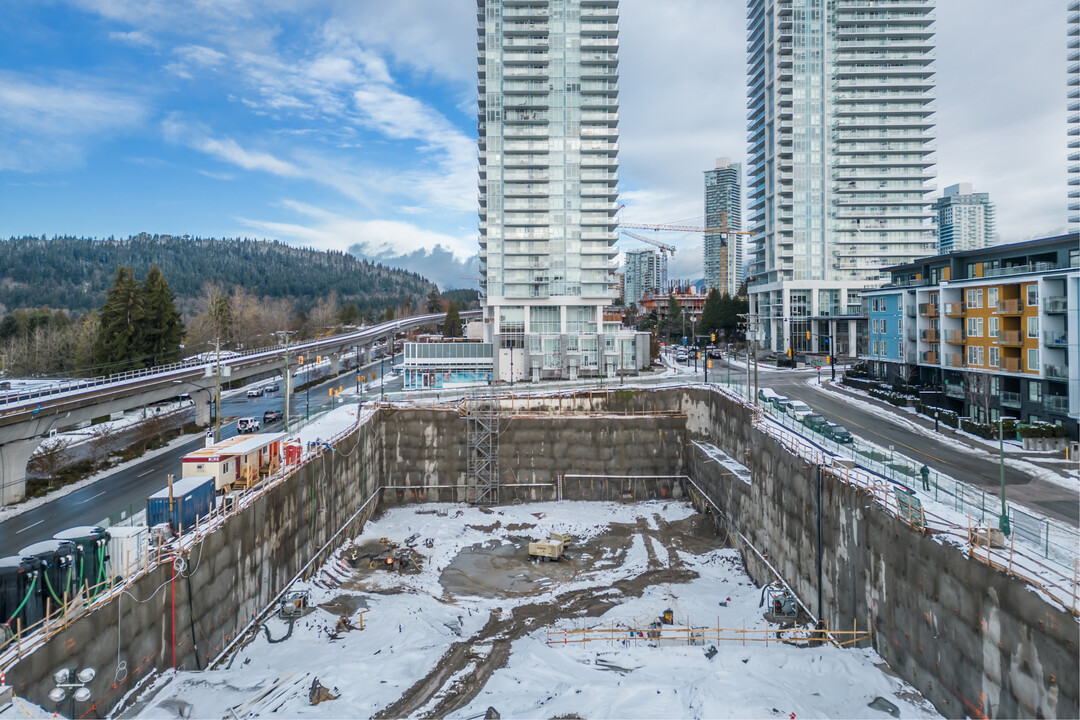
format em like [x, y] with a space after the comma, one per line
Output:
[710, 314]
[350, 315]
[434, 301]
[452, 323]
[162, 328]
[672, 326]
[119, 340]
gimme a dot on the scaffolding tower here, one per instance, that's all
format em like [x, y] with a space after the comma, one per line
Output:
[482, 480]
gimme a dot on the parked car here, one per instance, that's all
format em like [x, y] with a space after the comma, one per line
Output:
[271, 416]
[838, 433]
[796, 408]
[814, 422]
[769, 395]
[248, 425]
[255, 392]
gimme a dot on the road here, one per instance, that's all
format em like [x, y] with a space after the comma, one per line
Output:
[127, 490]
[980, 469]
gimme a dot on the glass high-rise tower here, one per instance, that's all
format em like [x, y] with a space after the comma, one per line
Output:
[723, 256]
[840, 132]
[548, 116]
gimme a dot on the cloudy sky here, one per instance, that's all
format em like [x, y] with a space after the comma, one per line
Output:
[350, 123]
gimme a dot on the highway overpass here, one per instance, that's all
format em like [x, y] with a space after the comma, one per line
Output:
[27, 418]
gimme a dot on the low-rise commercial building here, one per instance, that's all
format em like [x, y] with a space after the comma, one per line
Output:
[993, 331]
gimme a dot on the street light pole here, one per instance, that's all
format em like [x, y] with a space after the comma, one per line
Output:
[1003, 521]
[217, 392]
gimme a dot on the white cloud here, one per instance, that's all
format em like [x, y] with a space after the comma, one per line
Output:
[135, 38]
[373, 238]
[47, 124]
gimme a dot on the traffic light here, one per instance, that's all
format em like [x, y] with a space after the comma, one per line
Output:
[789, 352]
[807, 334]
[318, 358]
[301, 359]
[828, 359]
[713, 337]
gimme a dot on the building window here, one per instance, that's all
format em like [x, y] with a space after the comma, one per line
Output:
[874, 304]
[991, 297]
[1032, 295]
[993, 328]
[1035, 391]
[995, 382]
[1033, 327]
[1033, 359]
[995, 361]
[974, 298]
[975, 355]
[974, 327]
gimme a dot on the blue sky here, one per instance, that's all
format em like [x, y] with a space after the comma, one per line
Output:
[349, 123]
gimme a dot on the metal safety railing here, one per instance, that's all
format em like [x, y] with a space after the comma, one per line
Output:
[1051, 540]
[1060, 581]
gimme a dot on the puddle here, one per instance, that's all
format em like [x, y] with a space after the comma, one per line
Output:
[344, 605]
[496, 568]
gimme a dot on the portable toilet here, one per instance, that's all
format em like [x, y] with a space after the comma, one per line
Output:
[91, 563]
[19, 598]
[55, 560]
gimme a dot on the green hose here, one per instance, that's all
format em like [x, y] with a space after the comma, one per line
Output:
[48, 583]
[18, 610]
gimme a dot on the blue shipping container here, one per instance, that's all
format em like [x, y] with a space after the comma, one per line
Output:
[192, 497]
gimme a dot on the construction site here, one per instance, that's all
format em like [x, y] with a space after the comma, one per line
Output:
[610, 553]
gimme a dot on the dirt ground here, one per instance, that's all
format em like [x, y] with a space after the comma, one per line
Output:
[506, 569]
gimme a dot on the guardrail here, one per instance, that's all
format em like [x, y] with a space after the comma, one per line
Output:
[233, 357]
[1039, 538]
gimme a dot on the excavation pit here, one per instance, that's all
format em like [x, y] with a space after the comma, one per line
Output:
[496, 568]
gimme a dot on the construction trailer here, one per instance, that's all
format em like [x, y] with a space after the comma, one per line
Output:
[239, 462]
[129, 549]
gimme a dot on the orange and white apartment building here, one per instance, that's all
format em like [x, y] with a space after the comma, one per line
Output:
[993, 330]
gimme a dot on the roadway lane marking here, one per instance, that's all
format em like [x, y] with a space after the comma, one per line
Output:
[29, 526]
[92, 497]
[146, 473]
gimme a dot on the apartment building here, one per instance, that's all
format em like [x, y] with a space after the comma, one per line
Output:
[723, 254]
[547, 134]
[993, 330]
[840, 130]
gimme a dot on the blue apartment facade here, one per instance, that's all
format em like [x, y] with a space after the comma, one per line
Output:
[885, 316]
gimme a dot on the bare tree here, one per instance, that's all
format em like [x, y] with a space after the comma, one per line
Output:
[977, 391]
[50, 458]
[101, 443]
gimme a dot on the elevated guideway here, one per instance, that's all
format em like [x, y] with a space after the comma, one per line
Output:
[26, 418]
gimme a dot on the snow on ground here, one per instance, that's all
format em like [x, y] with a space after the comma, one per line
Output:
[468, 643]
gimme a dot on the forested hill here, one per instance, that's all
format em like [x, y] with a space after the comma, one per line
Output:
[73, 273]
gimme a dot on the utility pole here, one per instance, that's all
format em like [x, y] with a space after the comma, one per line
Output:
[1003, 522]
[286, 334]
[217, 392]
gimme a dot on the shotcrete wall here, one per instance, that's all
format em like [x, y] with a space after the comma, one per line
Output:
[230, 576]
[425, 456]
[974, 640]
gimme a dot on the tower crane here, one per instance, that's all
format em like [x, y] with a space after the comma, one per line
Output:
[722, 230]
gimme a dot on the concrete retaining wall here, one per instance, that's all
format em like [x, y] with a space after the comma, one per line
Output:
[231, 574]
[974, 640]
[425, 456]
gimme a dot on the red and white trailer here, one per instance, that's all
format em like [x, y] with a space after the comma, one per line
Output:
[238, 462]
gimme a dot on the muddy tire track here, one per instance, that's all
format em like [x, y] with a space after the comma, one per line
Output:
[500, 634]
